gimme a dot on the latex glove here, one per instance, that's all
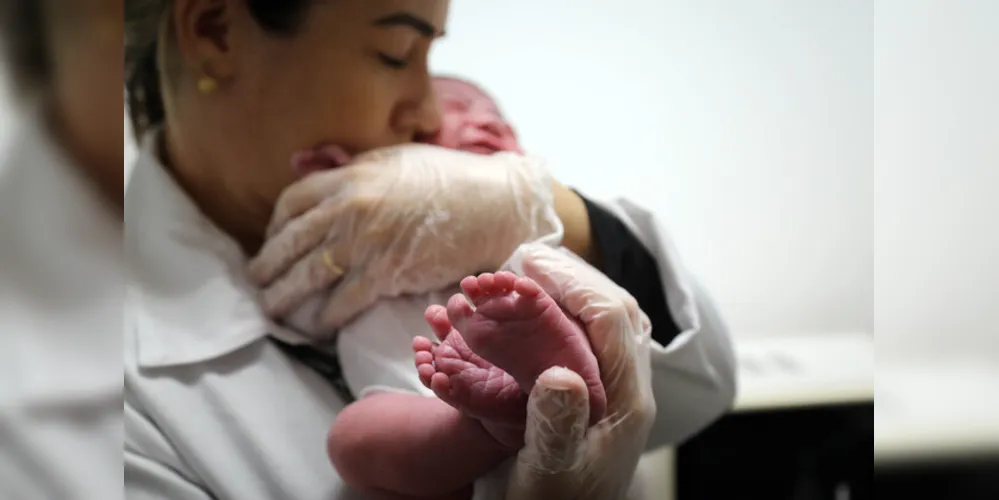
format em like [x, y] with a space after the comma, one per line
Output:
[562, 458]
[406, 219]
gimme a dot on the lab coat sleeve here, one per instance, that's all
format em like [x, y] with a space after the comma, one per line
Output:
[693, 366]
[153, 471]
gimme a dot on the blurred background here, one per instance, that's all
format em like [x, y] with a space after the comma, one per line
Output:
[830, 170]
[7, 112]
[745, 125]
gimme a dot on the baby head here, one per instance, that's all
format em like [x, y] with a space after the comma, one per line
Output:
[470, 119]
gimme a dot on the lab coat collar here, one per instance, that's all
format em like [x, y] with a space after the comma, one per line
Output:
[188, 297]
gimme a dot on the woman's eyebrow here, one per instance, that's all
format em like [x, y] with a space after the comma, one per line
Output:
[419, 24]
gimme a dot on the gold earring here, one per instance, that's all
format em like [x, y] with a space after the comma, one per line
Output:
[207, 84]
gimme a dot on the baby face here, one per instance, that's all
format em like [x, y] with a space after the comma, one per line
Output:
[470, 120]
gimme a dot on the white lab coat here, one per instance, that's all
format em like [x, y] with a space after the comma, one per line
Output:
[61, 295]
[215, 410]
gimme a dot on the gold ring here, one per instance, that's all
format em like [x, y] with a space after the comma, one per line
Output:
[328, 260]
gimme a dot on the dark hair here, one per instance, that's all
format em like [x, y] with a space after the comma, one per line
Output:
[25, 43]
[143, 19]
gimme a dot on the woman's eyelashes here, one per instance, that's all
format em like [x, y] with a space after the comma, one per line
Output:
[392, 62]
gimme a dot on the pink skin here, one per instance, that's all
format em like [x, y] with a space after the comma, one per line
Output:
[396, 445]
[470, 121]
[322, 158]
[469, 383]
[489, 358]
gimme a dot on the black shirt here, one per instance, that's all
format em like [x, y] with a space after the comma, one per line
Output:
[627, 262]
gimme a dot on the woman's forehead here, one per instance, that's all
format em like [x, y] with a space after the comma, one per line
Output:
[419, 14]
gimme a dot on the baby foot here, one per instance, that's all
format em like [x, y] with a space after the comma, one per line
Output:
[468, 382]
[520, 329]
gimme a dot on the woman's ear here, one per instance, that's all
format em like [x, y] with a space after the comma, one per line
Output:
[203, 30]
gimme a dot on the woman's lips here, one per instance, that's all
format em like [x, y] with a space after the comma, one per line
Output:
[320, 158]
[330, 156]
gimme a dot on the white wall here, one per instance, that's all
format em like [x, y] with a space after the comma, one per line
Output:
[937, 180]
[746, 125]
[131, 150]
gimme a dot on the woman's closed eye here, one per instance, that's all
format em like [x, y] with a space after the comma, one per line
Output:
[392, 62]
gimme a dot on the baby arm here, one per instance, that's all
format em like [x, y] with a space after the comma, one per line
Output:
[411, 445]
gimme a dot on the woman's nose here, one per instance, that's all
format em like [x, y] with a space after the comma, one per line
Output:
[428, 115]
[417, 113]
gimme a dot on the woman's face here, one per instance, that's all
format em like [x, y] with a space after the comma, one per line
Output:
[354, 74]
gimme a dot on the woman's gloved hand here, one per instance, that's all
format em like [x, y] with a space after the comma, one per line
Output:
[562, 458]
[406, 219]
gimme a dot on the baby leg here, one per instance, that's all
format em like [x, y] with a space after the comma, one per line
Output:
[396, 445]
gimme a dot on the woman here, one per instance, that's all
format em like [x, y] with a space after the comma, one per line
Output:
[60, 280]
[227, 91]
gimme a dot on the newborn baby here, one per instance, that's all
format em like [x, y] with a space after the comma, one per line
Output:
[491, 345]
[470, 120]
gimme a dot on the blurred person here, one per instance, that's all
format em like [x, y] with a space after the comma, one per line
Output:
[60, 283]
[223, 401]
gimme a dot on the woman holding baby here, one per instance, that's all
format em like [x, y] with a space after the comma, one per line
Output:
[228, 399]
